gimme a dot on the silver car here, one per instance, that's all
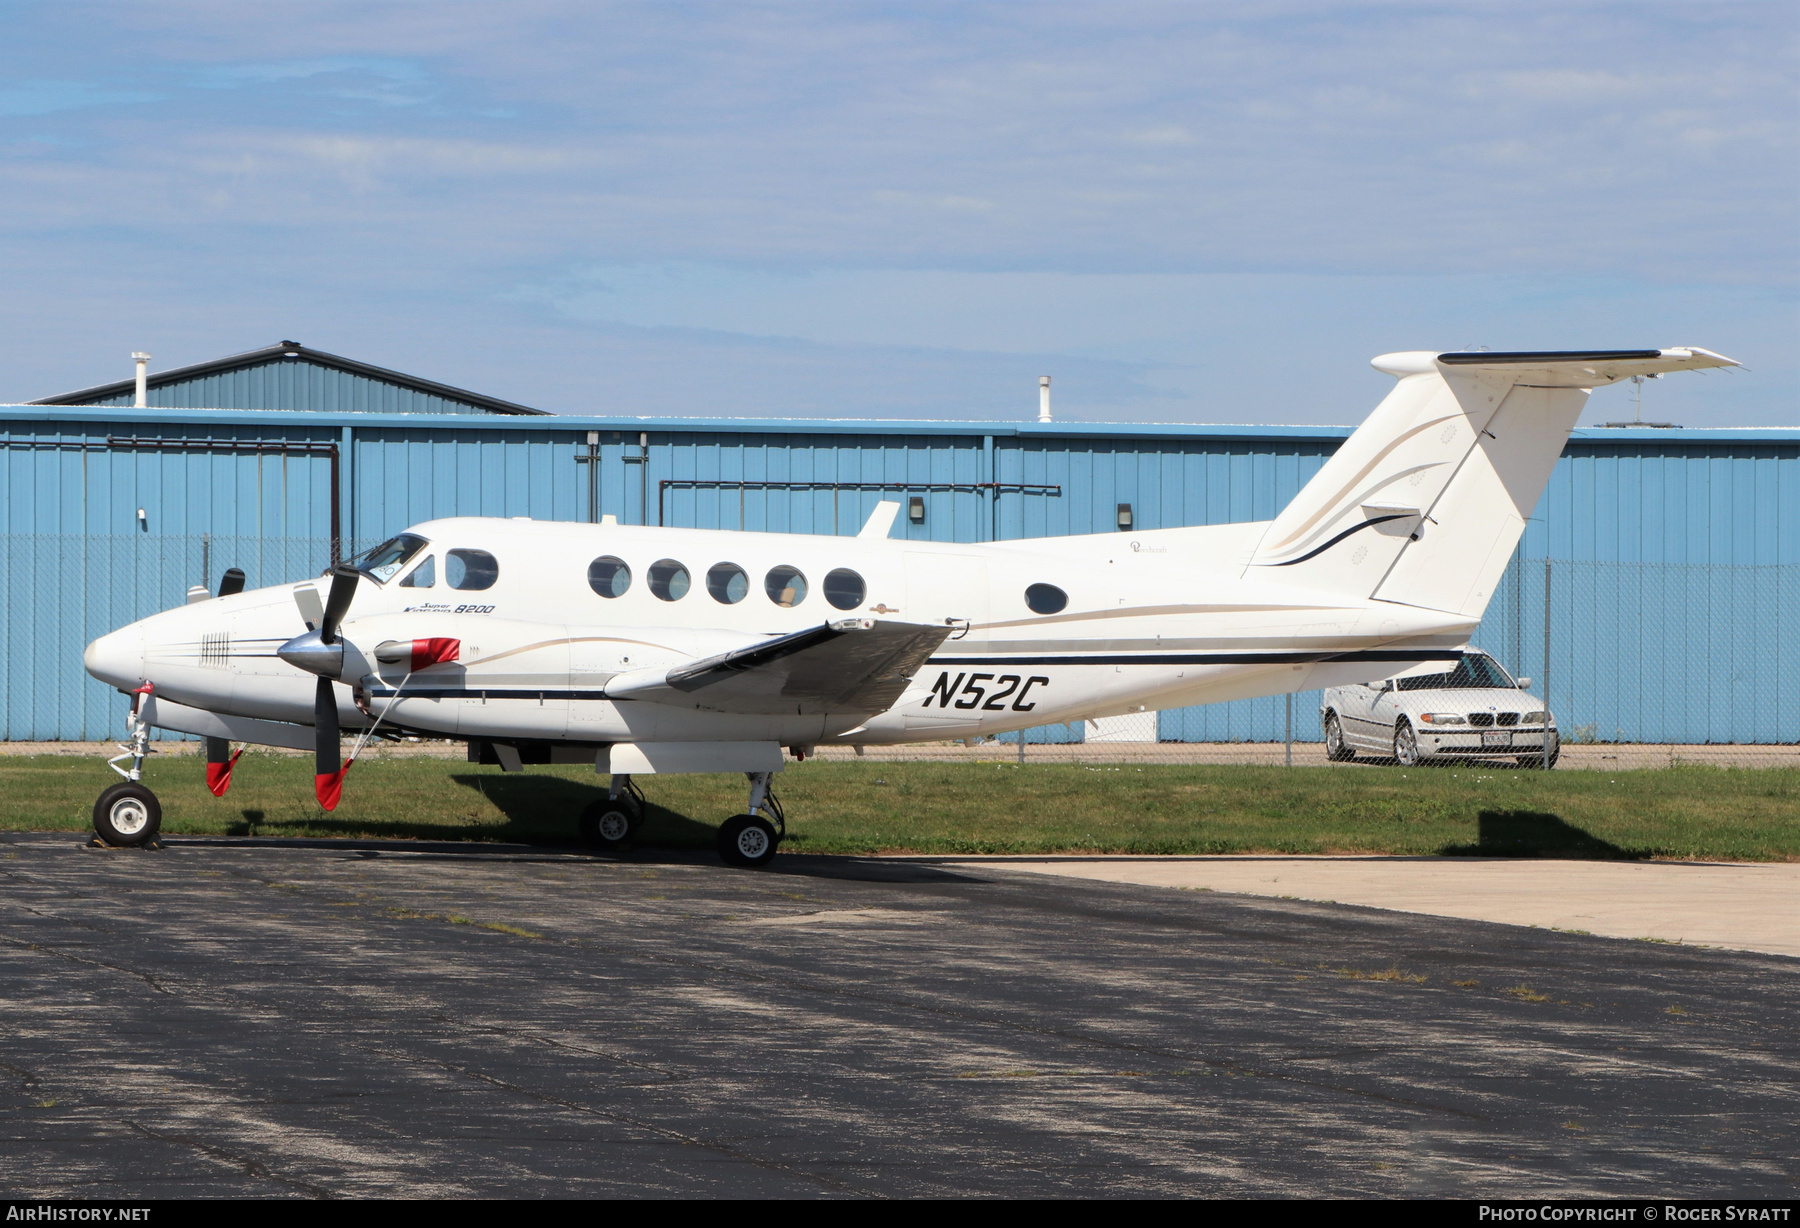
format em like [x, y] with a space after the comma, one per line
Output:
[1473, 711]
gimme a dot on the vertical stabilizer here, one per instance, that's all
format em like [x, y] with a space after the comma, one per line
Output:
[1425, 503]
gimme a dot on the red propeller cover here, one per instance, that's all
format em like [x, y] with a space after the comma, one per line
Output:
[330, 786]
[218, 775]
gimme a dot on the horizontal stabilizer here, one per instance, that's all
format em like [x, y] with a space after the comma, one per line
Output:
[1555, 368]
[853, 665]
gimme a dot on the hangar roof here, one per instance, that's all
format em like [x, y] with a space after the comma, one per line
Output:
[288, 375]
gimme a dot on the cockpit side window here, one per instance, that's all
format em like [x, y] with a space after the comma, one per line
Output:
[471, 570]
[422, 576]
[384, 562]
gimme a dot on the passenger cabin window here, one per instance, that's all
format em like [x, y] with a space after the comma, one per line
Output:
[1046, 599]
[471, 570]
[785, 586]
[609, 576]
[844, 588]
[384, 562]
[422, 576]
[727, 583]
[668, 580]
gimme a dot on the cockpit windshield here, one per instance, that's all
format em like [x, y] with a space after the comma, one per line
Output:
[383, 562]
[1474, 672]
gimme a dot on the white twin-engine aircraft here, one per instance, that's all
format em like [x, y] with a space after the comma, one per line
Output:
[645, 650]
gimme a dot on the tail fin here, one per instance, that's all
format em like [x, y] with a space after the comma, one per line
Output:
[1425, 502]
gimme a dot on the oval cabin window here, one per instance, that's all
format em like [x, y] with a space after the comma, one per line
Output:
[668, 580]
[727, 583]
[609, 576]
[471, 570]
[1046, 599]
[844, 589]
[785, 586]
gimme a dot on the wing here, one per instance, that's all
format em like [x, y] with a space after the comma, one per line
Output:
[855, 665]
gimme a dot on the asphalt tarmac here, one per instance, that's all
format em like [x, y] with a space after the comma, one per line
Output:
[335, 1018]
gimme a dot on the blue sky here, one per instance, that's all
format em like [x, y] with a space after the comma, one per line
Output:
[1181, 212]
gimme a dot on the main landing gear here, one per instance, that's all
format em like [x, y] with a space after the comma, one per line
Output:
[612, 824]
[751, 839]
[128, 814]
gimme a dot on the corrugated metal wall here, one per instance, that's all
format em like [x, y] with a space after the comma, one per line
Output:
[295, 384]
[1666, 500]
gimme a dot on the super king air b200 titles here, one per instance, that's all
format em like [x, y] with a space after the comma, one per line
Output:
[644, 650]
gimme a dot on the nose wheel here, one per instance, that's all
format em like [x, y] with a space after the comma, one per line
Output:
[128, 814]
[750, 840]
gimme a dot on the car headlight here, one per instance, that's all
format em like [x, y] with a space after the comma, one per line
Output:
[1442, 718]
[1535, 718]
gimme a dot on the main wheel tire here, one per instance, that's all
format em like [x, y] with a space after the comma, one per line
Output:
[609, 825]
[748, 840]
[1406, 745]
[127, 816]
[1336, 749]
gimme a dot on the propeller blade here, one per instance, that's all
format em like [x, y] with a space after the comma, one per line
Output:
[312, 610]
[337, 604]
[328, 771]
[219, 762]
[231, 582]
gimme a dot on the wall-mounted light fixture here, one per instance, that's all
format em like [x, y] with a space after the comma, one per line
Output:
[915, 509]
[1124, 517]
[143, 521]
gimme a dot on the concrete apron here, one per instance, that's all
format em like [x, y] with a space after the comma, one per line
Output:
[1736, 905]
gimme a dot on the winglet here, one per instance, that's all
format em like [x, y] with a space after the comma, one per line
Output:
[881, 521]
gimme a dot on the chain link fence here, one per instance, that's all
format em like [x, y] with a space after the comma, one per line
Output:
[59, 592]
[1643, 663]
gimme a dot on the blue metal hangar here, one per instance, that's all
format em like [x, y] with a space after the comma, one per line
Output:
[1679, 547]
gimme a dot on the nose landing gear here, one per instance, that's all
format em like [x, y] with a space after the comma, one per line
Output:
[750, 840]
[128, 815]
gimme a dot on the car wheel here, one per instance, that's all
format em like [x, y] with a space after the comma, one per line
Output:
[1336, 749]
[1406, 745]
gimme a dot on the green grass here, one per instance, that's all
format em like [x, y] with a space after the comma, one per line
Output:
[1681, 812]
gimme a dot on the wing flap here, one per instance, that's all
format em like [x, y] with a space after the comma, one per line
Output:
[855, 665]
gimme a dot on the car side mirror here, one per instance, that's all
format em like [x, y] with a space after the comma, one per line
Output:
[1380, 684]
[1524, 684]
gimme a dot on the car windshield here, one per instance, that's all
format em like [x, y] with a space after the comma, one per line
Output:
[1475, 671]
[385, 561]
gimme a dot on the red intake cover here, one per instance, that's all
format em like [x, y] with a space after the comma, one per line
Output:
[434, 651]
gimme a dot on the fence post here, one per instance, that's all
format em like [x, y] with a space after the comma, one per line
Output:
[1546, 737]
[1021, 747]
[1290, 729]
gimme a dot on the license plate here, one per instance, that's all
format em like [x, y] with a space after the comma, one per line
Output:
[1497, 739]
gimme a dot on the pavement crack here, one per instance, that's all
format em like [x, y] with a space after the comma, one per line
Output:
[254, 1168]
[145, 977]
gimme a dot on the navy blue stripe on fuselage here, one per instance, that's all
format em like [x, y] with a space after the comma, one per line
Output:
[1355, 528]
[1407, 655]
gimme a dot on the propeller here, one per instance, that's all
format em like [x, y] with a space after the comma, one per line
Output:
[328, 764]
[337, 604]
[320, 649]
[328, 769]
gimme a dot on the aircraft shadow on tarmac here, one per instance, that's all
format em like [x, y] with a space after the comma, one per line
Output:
[542, 811]
[1532, 833]
[538, 809]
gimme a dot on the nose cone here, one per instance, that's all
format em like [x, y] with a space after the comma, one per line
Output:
[117, 659]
